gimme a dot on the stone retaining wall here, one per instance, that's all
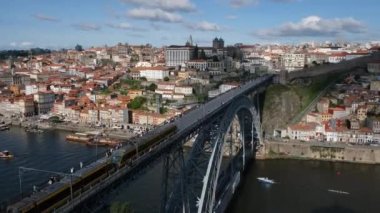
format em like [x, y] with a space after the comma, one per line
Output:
[319, 151]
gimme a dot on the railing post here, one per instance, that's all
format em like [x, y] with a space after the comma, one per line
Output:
[71, 190]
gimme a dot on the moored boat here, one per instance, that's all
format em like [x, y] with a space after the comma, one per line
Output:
[109, 141]
[6, 154]
[104, 142]
[4, 127]
[32, 130]
[338, 191]
[80, 137]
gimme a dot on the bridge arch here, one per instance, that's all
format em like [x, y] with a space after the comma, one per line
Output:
[202, 181]
[243, 104]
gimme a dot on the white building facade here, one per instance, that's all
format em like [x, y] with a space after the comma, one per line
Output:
[293, 61]
[177, 55]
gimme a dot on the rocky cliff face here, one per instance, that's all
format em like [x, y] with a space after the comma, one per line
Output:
[281, 104]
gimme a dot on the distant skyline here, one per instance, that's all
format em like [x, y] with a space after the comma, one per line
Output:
[63, 24]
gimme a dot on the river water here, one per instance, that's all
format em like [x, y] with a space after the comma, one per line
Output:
[302, 185]
[46, 151]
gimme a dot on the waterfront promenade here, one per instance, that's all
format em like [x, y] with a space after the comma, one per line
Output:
[73, 127]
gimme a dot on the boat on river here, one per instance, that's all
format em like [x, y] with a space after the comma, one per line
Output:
[33, 130]
[266, 180]
[6, 154]
[4, 127]
[338, 191]
[80, 137]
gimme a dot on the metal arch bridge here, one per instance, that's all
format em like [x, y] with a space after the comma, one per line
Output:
[202, 183]
[225, 133]
[227, 125]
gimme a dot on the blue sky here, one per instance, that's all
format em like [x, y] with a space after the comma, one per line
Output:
[62, 24]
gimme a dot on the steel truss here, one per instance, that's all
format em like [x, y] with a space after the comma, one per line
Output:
[200, 181]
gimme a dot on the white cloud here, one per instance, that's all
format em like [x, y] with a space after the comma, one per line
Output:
[168, 5]
[86, 27]
[315, 26]
[204, 26]
[21, 44]
[42, 17]
[26, 44]
[242, 3]
[231, 17]
[125, 26]
[154, 15]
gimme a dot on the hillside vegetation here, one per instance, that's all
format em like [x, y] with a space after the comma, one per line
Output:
[283, 102]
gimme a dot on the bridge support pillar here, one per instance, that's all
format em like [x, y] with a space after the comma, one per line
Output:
[172, 166]
[284, 75]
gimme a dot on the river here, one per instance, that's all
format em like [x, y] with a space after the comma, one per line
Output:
[302, 185]
[46, 151]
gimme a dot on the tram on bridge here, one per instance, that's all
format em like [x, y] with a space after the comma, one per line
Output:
[54, 196]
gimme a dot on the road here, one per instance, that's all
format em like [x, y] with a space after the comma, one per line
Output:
[215, 104]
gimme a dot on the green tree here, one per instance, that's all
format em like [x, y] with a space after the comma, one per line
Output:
[202, 55]
[105, 91]
[123, 92]
[163, 110]
[116, 86]
[137, 102]
[132, 84]
[166, 78]
[201, 98]
[78, 47]
[55, 119]
[152, 87]
[348, 123]
[143, 79]
[135, 58]
[195, 53]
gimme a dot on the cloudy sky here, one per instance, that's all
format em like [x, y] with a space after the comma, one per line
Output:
[62, 24]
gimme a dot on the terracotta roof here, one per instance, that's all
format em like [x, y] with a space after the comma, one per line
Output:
[365, 130]
[303, 126]
[337, 129]
[342, 54]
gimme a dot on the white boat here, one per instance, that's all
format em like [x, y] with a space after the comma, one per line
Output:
[6, 154]
[338, 191]
[266, 180]
[4, 127]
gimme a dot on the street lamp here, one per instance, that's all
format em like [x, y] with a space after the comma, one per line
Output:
[22, 169]
[96, 140]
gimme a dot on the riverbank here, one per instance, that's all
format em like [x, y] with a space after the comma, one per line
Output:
[48, 151]
[320, 151]
[122, 134]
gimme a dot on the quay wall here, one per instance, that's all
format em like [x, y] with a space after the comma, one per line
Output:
[112, 133]
[320, 151]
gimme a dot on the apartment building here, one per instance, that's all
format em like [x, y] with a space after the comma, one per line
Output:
[293, 61]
